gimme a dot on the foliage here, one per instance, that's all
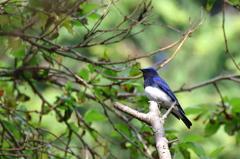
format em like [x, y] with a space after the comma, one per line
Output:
[64, 63]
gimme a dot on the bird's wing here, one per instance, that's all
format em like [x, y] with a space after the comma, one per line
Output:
[164, 87]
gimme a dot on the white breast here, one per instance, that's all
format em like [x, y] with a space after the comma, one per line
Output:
[158, 95]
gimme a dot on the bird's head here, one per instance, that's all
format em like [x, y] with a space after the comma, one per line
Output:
[149, 72]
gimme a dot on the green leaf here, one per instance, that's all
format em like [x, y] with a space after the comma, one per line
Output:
[96, 80]
[34, 60]
[135, 69]
[84, 73]
[197, 149]
[211, 129]
[77, 23]
[5, 20]
[81, 97]
[10, 101]
[125, 72]
[46, 108]
[185, 153]
[146, 128]
[14, 43]
[20, 52]
[2, 116]
[69, 86]
[9, 125]
[209, 5]
[115, 134]
[74, 126]
[226, 99]
[44, 73]
[216, 152]
[235, 102]
[90, 67]
[93, 134]
[23, 97]
[123, 128]
[128, 144]
[88, 7]
[236, 3]
[105, 56]
[110, 73]
[54, 35]
[67, 114]
[229, 127]
[69, 28]
[236, 121]
[68, 25]
[92, 115]
[134, 82]
[94, 16]
[19, 63]
[48, 59]
[43, 18]
[109, 91]
[13, 129]
[37, 4]
[193, 137]
[98, 92]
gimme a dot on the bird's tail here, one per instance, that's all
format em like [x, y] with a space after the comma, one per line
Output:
[186, 121]
[179, 113]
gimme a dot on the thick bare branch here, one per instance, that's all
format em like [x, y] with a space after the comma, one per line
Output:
[154, 119]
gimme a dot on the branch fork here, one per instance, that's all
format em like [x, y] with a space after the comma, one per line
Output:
[156, 120]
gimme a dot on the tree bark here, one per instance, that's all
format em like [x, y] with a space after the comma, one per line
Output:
[156, 121]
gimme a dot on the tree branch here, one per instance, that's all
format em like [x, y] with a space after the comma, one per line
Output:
[156, 121]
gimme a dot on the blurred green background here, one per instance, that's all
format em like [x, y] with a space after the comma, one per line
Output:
[201, 58]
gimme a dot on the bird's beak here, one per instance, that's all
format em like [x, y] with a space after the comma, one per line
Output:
[141, 69]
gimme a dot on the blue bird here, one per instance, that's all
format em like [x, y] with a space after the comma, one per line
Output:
[157, 90]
